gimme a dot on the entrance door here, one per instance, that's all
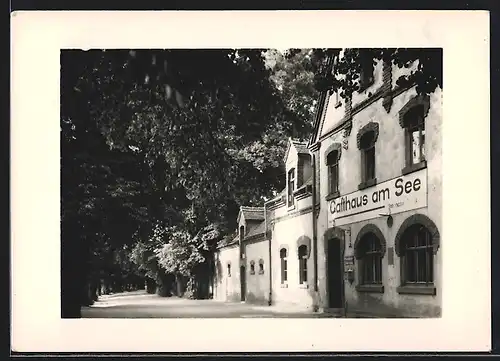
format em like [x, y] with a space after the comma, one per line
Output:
[335, 279]
[243, 283]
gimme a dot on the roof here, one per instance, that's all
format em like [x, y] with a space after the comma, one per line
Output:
[228, 241]
[251, 213]
[300, 147]
[255, 230]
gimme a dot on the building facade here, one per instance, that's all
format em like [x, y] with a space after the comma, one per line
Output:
[357, 230]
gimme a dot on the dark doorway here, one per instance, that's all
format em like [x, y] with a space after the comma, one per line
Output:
[243, 283]
[335, 280]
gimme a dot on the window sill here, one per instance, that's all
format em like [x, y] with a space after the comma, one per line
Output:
[333, 195]
[367, 184]
[370, 288]
[284, 285]
[303, 285]
[414, 167]
[417, 290]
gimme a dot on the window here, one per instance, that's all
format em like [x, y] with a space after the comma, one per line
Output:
[415, 136]
[261, 267]
[302, 264]
[412, 118]
[283, 257]
[332, 162]
[366, 73]
[291, 186]
[417, 256]
[252, 267]
[229, 270]
[337, 97]
[367, 146]
[242, 233]
[370, 260]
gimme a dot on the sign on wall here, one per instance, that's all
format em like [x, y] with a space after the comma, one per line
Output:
[397, 195]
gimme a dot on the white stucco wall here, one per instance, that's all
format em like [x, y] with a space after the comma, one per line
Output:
[286, 233]
[390, 160]
[257, 284]
[227, 288]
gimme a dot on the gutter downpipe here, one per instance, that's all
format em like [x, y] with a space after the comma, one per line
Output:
[270, 301]
[315, 231]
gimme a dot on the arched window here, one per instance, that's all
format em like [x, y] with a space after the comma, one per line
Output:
[332, 163]
[302, 264]
[366, 139]
[252, 267]
[261, 266]
[412, 119]
[229, 269]
[242, 233]
[417, 256]
[283, 257]
[367, 146]
[369, 253]
[415, 136]
[366, 77]
[291, 186]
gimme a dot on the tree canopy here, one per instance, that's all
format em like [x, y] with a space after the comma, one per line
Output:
[152, 140]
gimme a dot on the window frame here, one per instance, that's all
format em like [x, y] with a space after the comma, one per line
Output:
[291, 182]
[413, 115]
[261, 267]
[368, 159]
[400, 239]
[252, 267]
[413, 233]
[370, 256]
[372, 231]
[284, 266]
[366, 74]
[302, 253]
[332, 163]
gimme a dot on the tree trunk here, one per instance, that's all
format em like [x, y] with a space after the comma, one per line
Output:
[72, 276]
[165, 285]
[150, 285]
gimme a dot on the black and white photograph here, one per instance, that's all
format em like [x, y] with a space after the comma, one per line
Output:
[259, 181]
[251, 182]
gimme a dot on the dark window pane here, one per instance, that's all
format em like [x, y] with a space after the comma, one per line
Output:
[333, 176]
[370, 260]
[370, 163]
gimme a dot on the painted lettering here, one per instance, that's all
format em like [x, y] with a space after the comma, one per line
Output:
[416, 184]
[399, 187]
[365, 200]
[408, 186]
[332, 209]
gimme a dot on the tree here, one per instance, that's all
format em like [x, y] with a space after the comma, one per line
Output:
[168, 138]
[345, 76]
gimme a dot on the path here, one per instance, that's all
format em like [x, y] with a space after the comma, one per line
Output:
[139, 304]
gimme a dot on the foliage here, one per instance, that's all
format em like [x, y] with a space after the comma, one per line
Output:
[156, 139]
[345, 76]
[181, 254]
